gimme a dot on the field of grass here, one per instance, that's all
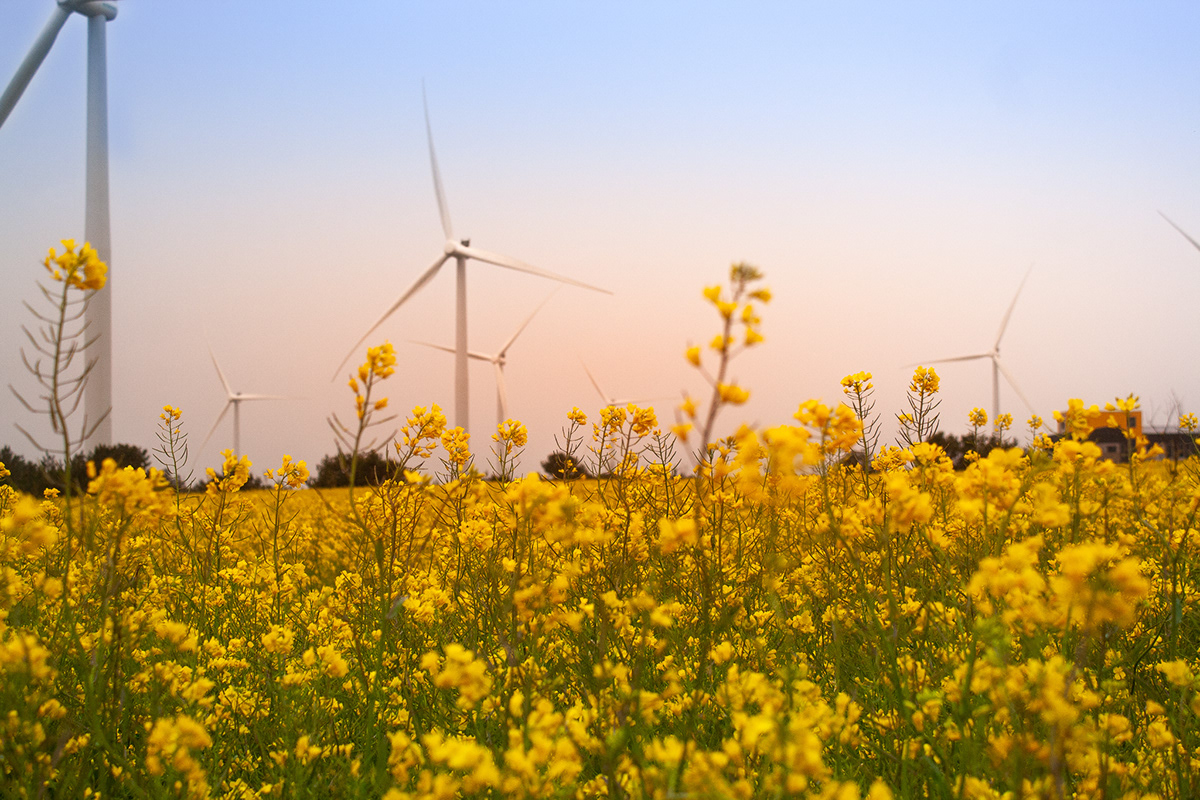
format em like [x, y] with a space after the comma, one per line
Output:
[781, 623]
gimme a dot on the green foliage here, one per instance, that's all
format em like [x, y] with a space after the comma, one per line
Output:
[373, 469]
[560, 465]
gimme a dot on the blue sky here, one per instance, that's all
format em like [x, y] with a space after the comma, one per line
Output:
[894, 169]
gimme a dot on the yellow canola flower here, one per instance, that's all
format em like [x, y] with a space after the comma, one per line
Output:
[978, 418]
[857, 383]
[174, 742]
[381, 360]
[688, 407]
[1177, 672]
[460, 670]
[291, 473]
[234, 474]
[732, 393]
[131, 492]
[454, 442]
[83, 270]
[673, 534]
[305, 751]
[26, 525]
[693, 355]
[512, 433]
[1127, 404]
[924, 381]
[1076, 418]
[422, 431]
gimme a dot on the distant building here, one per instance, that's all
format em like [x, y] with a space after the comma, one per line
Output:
[1109, 433]
[1176, 445]
[1116, 420]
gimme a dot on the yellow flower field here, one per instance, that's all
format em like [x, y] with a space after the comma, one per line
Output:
[777, 622]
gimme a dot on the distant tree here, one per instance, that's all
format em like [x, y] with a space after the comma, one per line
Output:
[957, 447]
[334, 470]
[26, 476]
[126, 455]
[254, 481]
[560, 465]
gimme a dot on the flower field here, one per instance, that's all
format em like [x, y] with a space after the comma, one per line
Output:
[761, 616]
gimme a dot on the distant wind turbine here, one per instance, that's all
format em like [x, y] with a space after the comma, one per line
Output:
[97, 402]
[1182, 232]
[460, 251]
[235, 400]
[498, 361]
[998, 367]
[617, 401]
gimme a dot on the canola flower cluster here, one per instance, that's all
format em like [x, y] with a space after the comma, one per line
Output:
[782, 622]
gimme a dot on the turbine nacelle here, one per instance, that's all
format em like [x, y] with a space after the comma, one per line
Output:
[454, 249]
[92, 8]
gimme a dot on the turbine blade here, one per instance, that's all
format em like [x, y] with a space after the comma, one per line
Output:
[33, 60]
[1195, 244]
[520, 266]
[470, 353]
[1011, 306]
[426, 276]
[220, 417]
[441, 347]
[502, 390]
[220, 374]
[443, 211]
[641, 401]
[949, 360]
[1008, 376]
[525, 324]
[262, 397]
[592, 378]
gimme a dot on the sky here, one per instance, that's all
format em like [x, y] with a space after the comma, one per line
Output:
[893, 169]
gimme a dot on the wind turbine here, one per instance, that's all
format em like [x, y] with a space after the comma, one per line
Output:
[97, 402]
[998, 367]
[617, 401]
[235, 400]
[461, 252]
[497, 361]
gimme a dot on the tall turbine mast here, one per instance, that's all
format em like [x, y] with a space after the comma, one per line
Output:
[97, 403]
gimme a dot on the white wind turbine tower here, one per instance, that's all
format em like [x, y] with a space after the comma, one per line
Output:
[235, 400]
[460, 251]
[998, 367]
[617, 401]
[498, 361]
[97, 402]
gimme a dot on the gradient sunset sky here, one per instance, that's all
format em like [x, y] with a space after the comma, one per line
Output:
[894, 170]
